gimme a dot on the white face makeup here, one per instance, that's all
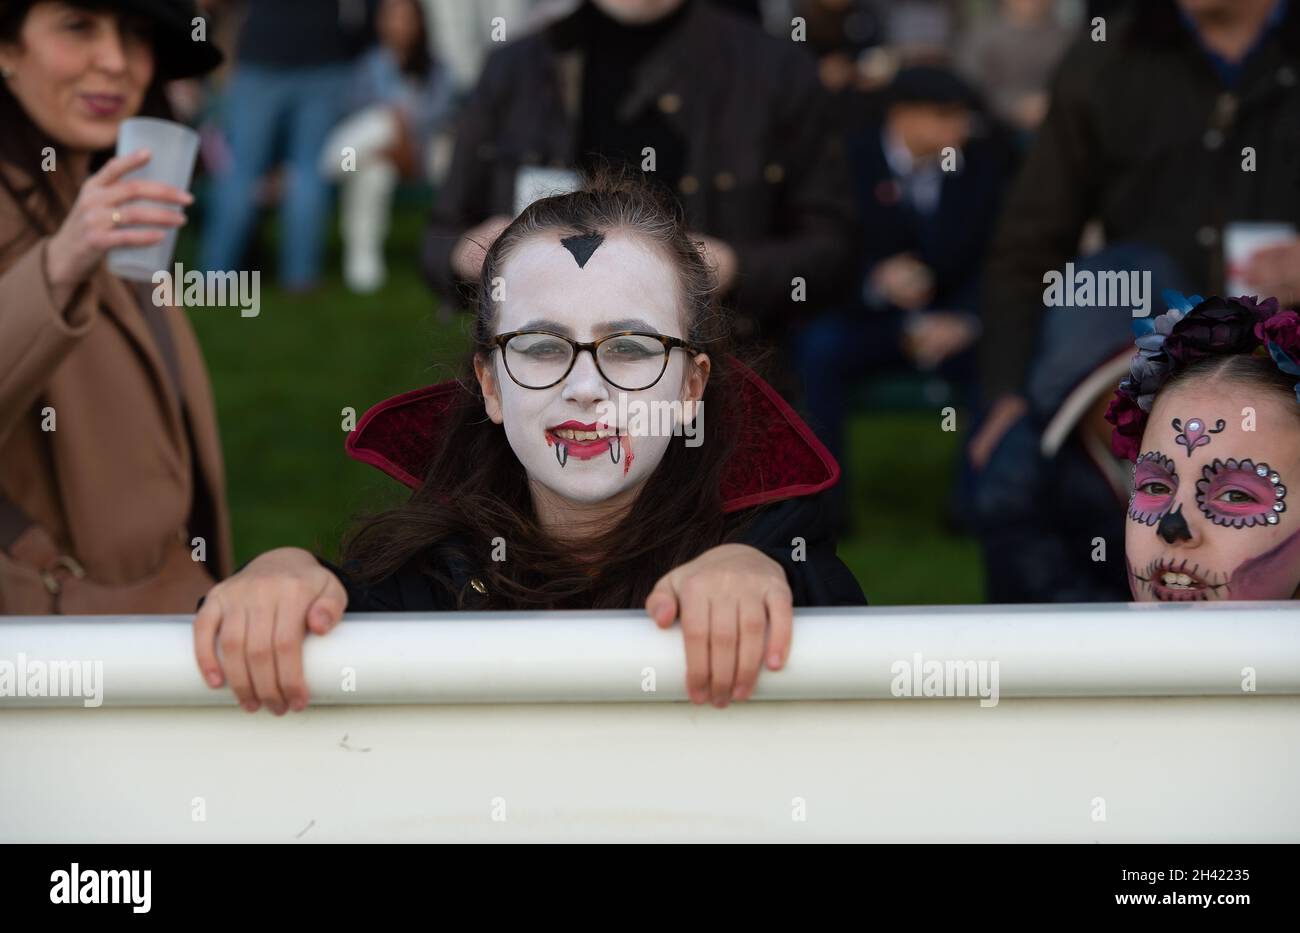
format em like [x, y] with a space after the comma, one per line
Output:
[567, 436]
[1209, 517]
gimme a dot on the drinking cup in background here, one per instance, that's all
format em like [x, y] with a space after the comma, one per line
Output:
[173, 149]
[1241, 240]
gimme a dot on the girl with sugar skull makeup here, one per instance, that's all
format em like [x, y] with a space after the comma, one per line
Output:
[1210, 415]
[603, 450]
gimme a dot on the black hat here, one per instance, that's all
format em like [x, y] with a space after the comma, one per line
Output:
[931, 84]
[177, 54]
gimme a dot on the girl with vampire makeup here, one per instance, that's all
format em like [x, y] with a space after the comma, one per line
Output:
[1210, 415]
[541, 483]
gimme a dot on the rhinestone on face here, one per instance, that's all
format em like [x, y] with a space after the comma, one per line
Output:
[1279, 491]
[1261, 470]
[1279, 506]
[1274, 478]
[1194, 425]
[1272, 519]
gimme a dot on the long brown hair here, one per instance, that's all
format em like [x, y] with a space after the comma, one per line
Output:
[476, 490]
[418, 61]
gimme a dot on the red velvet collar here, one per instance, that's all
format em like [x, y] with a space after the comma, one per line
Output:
[777, 456]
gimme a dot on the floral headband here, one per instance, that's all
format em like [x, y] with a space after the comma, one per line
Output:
[1192, 329]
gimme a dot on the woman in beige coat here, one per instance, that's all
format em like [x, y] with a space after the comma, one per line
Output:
[111, 491]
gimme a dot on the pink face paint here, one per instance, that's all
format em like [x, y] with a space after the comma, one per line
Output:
[1274, 574]
[1240, 494]
[1194, 434]
[1135, 583]
[1155, 482]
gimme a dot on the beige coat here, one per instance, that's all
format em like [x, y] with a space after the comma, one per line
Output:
[110, 487]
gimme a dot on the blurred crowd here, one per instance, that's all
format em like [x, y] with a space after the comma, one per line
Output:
[882, 188]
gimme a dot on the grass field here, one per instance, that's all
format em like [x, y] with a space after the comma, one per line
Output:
[282, 380]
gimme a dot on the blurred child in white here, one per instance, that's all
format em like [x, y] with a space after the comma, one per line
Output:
[401, 99]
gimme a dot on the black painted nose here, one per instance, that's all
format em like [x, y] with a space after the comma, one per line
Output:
[1173, 527]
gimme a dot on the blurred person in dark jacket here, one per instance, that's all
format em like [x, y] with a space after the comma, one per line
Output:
[842, 35]
[290, 81]
[732, 120]
[927, 191]
[838, 32]
[1184, 120]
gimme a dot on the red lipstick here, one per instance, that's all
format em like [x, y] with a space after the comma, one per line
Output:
[580, 439]
[586, 440]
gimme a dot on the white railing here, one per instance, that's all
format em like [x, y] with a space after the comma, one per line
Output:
[1174, 723]
[838, 654]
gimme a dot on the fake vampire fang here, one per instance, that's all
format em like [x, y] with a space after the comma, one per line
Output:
[562, 454]
[616, 448]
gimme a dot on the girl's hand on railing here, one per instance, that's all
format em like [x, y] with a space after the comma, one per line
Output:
[730, 599]
[260, 617]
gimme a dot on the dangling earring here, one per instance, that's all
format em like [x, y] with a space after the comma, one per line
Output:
[6, 73]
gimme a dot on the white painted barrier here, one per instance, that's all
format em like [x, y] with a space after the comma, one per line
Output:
[1111, 723]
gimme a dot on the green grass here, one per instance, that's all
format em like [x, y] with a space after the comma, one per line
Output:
[283, 378]
[901, 470]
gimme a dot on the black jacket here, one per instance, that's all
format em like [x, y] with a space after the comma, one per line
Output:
[1143, 135]
[952, 240]
[763, 170]
[772, 485]
[819, 579]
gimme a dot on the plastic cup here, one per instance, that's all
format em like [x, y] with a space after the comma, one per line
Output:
[1242, 240]
[173, 150]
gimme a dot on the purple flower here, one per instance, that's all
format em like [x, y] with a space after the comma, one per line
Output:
[1265, 308]
[1130, 422]
[1216, 327]
[1282, 329]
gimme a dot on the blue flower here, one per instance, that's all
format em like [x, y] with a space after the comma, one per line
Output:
[1284, 363]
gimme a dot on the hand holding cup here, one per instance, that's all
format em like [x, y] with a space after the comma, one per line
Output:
[111, 212]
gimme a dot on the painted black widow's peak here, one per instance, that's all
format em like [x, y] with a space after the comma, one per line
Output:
[582, 246]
